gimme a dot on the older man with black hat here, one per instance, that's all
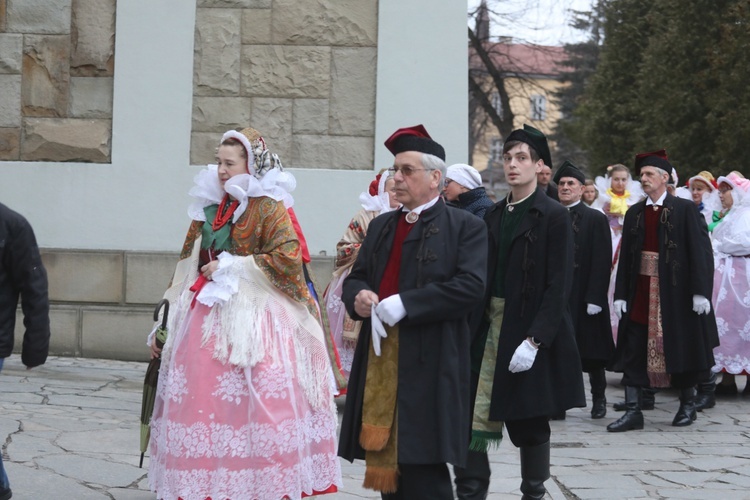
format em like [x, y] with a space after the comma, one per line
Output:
[529, 368]
[417, 273]
[662, 296]
[592, 262]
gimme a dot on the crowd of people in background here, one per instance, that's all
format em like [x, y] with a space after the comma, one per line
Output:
[450, 319]
[627, 272]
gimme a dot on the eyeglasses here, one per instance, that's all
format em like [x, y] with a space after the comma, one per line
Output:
[405, 171]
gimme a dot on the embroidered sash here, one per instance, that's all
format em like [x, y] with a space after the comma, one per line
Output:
[656, 365]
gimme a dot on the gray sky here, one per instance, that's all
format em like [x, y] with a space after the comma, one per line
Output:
[543, 22]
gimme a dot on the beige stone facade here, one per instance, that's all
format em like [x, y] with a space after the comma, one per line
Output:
[281, 68]
[56, 69]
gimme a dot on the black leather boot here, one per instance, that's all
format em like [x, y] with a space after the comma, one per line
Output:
[648, 400]
[706, 397]
[598, 381]
[534, 471]
[686, 414]
[473, 481]
[633, 418]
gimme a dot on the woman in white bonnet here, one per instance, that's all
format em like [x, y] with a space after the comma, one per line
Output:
[244, 406]
[463, 189]
[378, 199]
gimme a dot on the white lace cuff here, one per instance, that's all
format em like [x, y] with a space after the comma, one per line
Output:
[224, 282]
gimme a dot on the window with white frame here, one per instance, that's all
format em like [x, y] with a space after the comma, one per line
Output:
[496, 150]
[497, 103]
[538, 107]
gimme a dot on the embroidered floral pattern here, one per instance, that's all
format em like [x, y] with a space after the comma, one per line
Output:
[312, 474]
[176, 385]
[232, 386]
[745, 332]
[722, 326]
[215, 440]
[335, 304]
[272, 382]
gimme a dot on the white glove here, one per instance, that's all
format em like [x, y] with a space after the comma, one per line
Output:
[523, 358]
[701, 305]
[592, 309]
[378, 331]
[391, 310]
[621, 307]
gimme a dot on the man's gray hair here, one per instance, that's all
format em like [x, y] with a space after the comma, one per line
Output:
[432, 162]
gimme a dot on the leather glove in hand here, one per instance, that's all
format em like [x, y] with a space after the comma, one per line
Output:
[391, 310]
[621, 307]
[592, 309]
[523, 358]
[701, 305]
[378, 331]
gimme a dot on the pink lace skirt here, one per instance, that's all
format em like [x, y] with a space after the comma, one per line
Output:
[223, 432]
[731, 303]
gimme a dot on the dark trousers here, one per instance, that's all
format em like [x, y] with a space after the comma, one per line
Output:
[422, 482]
[475, 475]
[634, 360]
[528, 432]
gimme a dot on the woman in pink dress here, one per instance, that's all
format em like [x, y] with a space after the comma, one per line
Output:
[731, 299]
[244, 406]
[378, 199]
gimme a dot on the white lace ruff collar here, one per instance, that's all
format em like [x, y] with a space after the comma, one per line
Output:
[276, 184]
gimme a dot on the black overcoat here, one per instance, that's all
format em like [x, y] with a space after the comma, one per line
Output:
[537, 288]
[686, 268]
[22, 273]
[442, 275]
[592, 267]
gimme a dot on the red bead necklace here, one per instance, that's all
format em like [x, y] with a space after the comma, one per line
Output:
[223, 214]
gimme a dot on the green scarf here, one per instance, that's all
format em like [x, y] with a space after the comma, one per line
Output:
[486, 433]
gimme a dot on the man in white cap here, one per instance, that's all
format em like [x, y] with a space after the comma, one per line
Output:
[463, 189]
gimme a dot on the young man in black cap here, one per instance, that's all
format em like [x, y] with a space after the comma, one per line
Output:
[417, 273]
[592, 261]
[667, 328]
[529, 368]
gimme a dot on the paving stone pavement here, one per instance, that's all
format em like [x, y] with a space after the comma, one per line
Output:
[71, 431]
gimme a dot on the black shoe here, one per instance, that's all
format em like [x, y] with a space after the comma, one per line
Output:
[599, 408]
[633, 418]
[598, 386]
[706, 397]
[631, 421]
[559, 416]
[703, 401]
[686, 414]
[726, 389]
[534, 471]
[5, 494]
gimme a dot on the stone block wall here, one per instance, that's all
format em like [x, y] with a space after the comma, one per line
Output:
[56, 79]
[102, 302]
[302, 73]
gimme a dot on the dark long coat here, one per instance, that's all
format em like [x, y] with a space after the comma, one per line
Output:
[592, 266]
[686, 268]
[537, 288]
[22, 274]
[443, 268]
